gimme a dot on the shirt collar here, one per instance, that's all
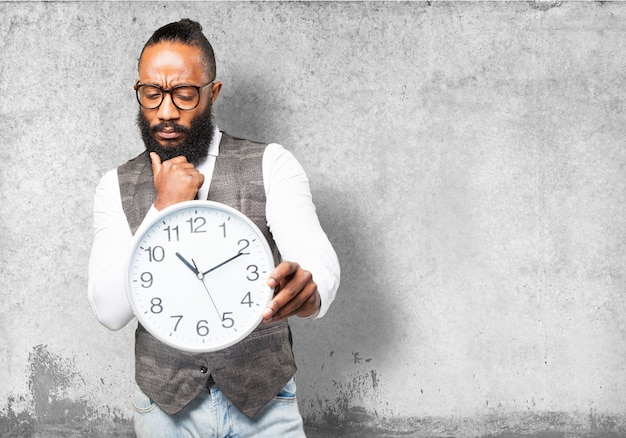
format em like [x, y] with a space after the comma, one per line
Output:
[214, 147]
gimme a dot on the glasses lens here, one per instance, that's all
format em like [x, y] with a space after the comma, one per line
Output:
[149, 96]
[185, 97]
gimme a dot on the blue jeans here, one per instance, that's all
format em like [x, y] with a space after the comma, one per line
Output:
[211, 414]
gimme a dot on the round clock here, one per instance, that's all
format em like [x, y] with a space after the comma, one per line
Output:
[197, 276]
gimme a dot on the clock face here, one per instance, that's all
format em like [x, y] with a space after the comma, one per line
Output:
[197, 276]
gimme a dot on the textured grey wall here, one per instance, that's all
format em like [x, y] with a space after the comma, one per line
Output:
[467, 160]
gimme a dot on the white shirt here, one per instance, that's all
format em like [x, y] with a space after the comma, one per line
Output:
[290, 214]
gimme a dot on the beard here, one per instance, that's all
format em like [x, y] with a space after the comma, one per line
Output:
[194, 147]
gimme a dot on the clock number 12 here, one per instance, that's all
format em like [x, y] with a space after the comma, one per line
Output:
[196, 224]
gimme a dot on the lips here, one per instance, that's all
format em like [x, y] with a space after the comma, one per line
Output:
[169, 135]
[168, 132]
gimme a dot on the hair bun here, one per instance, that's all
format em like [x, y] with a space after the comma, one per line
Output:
[194, 25]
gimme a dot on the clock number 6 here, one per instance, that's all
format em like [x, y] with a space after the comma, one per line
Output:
[202, 328]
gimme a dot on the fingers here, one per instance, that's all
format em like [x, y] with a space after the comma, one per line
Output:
[175, 180]
[156, 163]
[281, 272]
[295, 293]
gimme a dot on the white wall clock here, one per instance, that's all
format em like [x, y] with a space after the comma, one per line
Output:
[197, 276]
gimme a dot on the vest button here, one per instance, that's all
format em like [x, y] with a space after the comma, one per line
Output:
[204, 370]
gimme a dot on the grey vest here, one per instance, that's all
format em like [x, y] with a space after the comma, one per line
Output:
[249, 373]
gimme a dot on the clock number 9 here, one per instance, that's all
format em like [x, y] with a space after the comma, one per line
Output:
[146, 278]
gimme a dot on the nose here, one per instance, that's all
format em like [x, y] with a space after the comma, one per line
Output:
[167, 110]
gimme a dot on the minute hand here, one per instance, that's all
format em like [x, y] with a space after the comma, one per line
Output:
[223, 263]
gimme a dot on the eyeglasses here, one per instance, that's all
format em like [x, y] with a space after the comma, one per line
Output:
[184, 97]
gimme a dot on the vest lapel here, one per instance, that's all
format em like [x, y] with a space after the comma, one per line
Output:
[136, 189]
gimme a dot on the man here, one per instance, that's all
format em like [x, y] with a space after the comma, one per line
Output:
[187, 158]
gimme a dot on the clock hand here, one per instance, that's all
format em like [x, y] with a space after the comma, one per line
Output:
[200, 276]
[193, 268]
[219, 315]
[223, 263]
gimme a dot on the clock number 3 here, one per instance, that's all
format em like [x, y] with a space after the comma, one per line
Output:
[254, 273]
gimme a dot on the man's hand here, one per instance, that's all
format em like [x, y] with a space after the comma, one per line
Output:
[295, 293]
[175, 180]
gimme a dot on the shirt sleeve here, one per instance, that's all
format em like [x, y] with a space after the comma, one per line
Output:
[293, 222]
[112, 237]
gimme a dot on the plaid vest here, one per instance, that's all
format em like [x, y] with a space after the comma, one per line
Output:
[249, 373]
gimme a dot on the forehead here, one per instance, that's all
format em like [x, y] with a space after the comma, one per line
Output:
[167, 62]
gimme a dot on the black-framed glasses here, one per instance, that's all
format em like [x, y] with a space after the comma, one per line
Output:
[184, 97]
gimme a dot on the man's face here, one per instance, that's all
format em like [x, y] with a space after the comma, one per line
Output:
[167, 129]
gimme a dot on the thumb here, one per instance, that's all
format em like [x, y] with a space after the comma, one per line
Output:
[156, 163]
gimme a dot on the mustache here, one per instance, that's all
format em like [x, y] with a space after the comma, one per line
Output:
[170, 126]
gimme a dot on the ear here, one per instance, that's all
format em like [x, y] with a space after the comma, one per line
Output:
[215, 90]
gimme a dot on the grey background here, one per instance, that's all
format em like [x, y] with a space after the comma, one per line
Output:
[467, 161]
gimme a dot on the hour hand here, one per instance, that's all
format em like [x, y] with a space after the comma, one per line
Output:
[193, 267]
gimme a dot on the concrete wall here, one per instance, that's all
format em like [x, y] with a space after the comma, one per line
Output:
[467, 161]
